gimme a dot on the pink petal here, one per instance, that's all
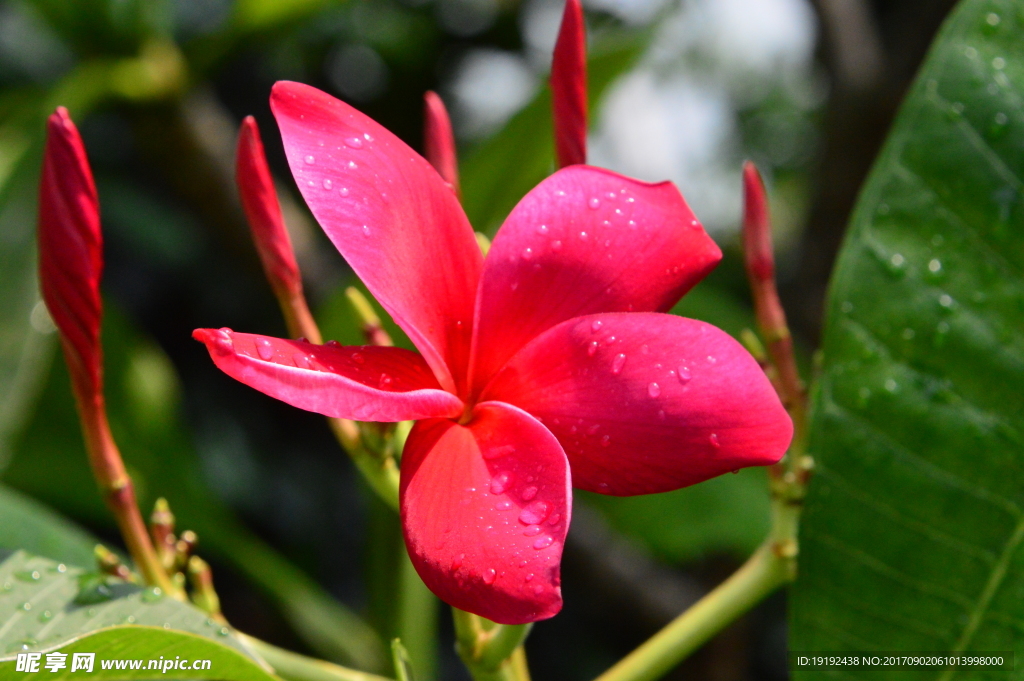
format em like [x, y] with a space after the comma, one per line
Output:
[259, 199]
[366, 383]
[393, 218]
[584, 241]
[485, 509]
[439, 140]
[569, 87]
[646, 402]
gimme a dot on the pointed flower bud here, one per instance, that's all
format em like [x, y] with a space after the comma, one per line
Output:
[71, 254]
[760, 264]
[70, 265]
[569, 87]
[259, 200]
[439, 141]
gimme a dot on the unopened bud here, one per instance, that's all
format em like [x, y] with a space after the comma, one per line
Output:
[569, 87]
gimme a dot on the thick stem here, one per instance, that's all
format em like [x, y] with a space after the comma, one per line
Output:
[491, 652]
[294, 667]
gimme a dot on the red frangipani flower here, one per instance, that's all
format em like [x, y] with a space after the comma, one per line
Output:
[546, 365]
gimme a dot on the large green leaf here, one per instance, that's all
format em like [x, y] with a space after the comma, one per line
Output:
[45, 604]
[142, 395]
[914, 525]
[135, 648]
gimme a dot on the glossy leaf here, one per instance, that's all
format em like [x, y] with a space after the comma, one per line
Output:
[44, 604]
[146, 644]
[912, 538]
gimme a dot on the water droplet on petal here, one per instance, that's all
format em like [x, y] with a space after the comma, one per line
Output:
[543, 542]
[684, 374]
[385, 382]
[500, 483]
[712, 359]
[327, 183]
[531, 531]
[489, 576]
[334, 344]
[714, 440]
[592, 348]
[527, 253]
[503, 505]
[343, 191]
[366, 230]
[542, 229]
[584, 236]
[352, 165]
[595, 326]
[632, 224]
[354, 142]
[535, 513]
[556, 245]
[539, 589]
[618, 363]
[606, 440]
[264, 349]
[529, 577]
[594, 203]
[310, 159]
[367, 137]
[457, 561]
[529, 493]
[654, 390]
[498, 452]
[301, 361]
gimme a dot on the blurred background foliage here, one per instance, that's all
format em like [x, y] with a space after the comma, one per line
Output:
[304, 556]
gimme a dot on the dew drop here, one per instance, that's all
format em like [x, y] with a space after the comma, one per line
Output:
[357, 357]
[594, 203]
[618, 363]
[891, 386]
[632, 224]
[385, 382]
[457, 561]
[354, 142]
[343, 191]
[714, 440]
[498, 452]
[712, 359]
[539, 589]
[500, 483]
[535, 513]
[606, 440]
[543, 542]
[514, 285]
[503, 505]
[26, 606]
[556, 245]
[607, 243]
[653, 389]
[992, 19]
[352, 165]
[527, 254]
[301, 361]
[683, 374]
[846, 307]
[584, 236]
[946, 301]
[531, 531]
[596, 325]
[661, 414]
[264, 349]
[1001, 118]
[45, 616]
[490, 575]
[310, 159]
[592, 348]
[542, 229]
[529, 493]
[367, 137]
[152, 594]
[529, 577]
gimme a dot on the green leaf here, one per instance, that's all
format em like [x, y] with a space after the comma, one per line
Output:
[504, 168]
[29, 525]
[146, 645]
[915, 517]
[142, 396]
[45, 604]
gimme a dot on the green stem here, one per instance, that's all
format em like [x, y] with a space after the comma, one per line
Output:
[294, 667]
[491, 652]
[416, 619]
[762, 574]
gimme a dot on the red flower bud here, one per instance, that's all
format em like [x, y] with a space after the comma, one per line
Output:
[569, 87]
[71, 254]
[757, 228]
[439, 141]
